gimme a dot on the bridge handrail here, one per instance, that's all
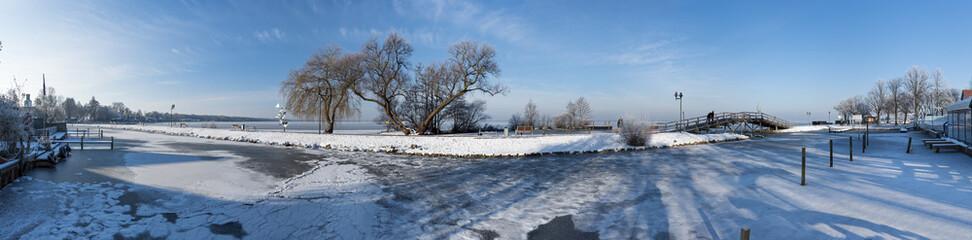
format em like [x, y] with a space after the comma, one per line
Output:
[686, 123]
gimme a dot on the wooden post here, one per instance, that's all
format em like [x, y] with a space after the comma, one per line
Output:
[803, 169]
[851, 153]
[831, 153]
[112, 143]
[101, 133]
[744, 233]
[82, 142]
[909, 145]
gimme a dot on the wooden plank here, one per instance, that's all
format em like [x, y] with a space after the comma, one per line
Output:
[939, 147]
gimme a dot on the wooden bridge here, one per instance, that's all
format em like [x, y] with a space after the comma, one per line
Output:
[731, 122]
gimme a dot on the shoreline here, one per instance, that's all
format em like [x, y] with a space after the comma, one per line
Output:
[442, 146]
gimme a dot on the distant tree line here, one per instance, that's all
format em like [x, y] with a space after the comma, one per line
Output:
[417, 99]
[914, 94]
[56, 108]
[576, 115]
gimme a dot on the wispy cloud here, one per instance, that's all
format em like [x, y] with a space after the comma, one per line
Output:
[649, 53]
[271, 35]
[498, 23]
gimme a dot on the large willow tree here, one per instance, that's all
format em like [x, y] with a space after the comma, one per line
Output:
[319, 90]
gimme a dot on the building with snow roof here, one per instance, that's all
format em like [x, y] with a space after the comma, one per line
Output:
[959, 121]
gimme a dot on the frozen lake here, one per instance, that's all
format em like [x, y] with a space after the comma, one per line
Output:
[183, 187]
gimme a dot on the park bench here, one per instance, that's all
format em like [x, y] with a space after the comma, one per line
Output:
[520, 129]
[938, 147]
[929, 142]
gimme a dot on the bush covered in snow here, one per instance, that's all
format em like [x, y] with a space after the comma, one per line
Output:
[12, 132]
[635, 132]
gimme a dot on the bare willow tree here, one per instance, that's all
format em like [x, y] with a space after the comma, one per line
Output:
[876, 98]
[530, 114]
[320, 90]
[386, 77]
[894, 93]
[473, 68]
[916, 83]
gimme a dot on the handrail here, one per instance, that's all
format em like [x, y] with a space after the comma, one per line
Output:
[723, 116]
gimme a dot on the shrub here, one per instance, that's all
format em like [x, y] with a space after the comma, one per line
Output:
[636, 132]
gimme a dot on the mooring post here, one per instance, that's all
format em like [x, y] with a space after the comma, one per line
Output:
[112, 143]
[909, 145]
[851, 153]
[744, 233]
[803, 168]
[831, 153]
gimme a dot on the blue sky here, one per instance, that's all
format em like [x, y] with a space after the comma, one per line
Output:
[213, 57]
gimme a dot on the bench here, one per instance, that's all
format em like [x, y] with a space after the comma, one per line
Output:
[938, 147]
[524, 129]
[933, 140]
[930, 143]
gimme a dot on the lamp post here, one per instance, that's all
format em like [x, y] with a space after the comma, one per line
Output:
[678, 97]
[171, 110]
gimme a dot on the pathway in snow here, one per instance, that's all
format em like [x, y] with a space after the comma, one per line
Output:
[702, 191]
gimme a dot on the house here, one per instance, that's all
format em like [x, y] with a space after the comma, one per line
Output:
[959, 121]
[967, 93]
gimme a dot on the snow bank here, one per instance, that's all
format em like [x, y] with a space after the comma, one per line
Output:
[804, 128]
[442, 145]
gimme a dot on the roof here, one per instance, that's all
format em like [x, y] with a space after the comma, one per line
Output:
[960, 105]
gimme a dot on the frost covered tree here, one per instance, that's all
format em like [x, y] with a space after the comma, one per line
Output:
[876, 98]
[47, 106]
[578, 113]
[530, 114]
[941, 93]
[13, 133]
[906, 100]
[321, 88]
[855, 105]
[894, 93]
[916, 84]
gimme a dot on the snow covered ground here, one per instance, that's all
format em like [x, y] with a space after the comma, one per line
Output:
[705, 191]
[441, 145]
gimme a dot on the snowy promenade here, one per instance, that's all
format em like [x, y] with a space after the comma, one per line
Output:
[158, 185]
[459, 145]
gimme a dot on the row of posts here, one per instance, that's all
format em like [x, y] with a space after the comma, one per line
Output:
[101, 134]
[850, 155]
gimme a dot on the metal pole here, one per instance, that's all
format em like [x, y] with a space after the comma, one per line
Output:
[909, 145]
[803, 169]
[851, 153]
[831, 153]
[112, 143]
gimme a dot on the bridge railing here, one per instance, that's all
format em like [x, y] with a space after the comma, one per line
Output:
[698, 122]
